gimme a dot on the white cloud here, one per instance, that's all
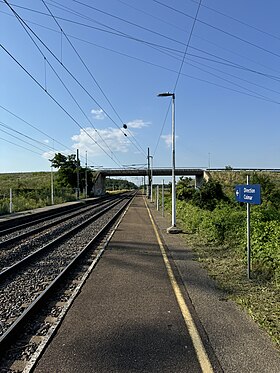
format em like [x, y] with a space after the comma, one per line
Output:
[98, 114]
[51, 153]
[109, 139]
[137, 123]
[168, 139]
[48, 155]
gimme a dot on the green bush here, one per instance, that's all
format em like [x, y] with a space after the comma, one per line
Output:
[209, 195]
[265, 243]
[226, 226]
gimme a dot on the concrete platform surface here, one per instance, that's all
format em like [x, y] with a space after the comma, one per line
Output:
[127, 319]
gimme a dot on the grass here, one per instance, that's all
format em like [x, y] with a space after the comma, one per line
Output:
[259, 297]
[30, 190]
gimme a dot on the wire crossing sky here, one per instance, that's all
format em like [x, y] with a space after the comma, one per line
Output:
[74, 72]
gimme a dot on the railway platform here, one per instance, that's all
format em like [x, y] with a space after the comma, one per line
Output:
[147, 306]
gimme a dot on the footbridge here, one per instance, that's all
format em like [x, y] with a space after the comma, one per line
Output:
[99, 185]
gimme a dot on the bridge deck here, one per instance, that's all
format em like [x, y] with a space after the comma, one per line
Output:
[155, 171]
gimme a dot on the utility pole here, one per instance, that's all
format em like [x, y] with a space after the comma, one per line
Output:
[86, 185]
[52, 189]
[78, 176]
[149, 176]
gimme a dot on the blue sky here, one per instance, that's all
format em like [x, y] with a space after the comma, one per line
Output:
[54, 97]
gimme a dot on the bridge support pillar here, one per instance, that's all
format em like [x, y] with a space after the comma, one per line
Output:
[199, 179]
[99, 188]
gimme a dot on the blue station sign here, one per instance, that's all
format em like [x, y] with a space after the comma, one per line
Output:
[250, 193]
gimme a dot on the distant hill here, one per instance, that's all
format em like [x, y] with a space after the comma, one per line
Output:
[42, 180]
[229, 178]
[25, 180]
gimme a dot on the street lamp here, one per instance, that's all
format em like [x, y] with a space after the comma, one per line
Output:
[173, 228]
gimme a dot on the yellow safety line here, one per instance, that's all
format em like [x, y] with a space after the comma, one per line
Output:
[197, 343]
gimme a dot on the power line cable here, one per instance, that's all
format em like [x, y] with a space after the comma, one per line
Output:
[26, 142]
[20, 146]
[88, 18]
[31, 125]
[178, 75]
[151, 15]
[187, 46]
[88, 119]
[219, 29]
[68, 71]
[139, 148]
[23, 24]
[227, 88]
[229, 63]
[90, 73]
[117, 33]
[24, 135]
[129, 22]
[238, 20]
[54, 100]
[121, 34]
[174, 71]
[233, 76]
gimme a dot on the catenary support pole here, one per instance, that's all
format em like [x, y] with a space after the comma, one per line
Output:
[157, 197]
[11, 200]
[162, 198]
[78, 176]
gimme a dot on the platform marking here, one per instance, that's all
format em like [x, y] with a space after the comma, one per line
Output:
[201, 354]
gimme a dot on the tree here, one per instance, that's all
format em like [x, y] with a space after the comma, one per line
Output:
[209, 195]
[67, 169]
[184, 189]
[67, 172]
[228, 168]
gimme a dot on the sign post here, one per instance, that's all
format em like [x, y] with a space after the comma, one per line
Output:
[250, 194]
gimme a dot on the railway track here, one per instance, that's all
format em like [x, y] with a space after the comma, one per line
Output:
[18, 244]
[26, 285]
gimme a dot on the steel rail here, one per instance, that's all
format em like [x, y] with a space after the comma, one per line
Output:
[72, 214]
[47, 215]
[15, 267]
[9, 335]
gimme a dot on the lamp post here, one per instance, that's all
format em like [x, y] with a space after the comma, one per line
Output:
[151, 169]
[173, 228]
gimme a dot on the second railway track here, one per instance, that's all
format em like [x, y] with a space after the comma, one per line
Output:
[18, 242]
[26, 284]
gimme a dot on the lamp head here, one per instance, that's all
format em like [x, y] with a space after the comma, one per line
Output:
[166, 94]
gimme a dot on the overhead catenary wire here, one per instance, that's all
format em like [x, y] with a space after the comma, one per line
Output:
[164, 5]
[220, 30]
[90, 73]
[188, 75]
[50, 94]
[20, 146]
[210, 83]
[178, 75]
[220, 60]
[238, 20]
[187, 46]
[57, 103]
[134, 142]
[24, 135]
[69, 72]
[218, 85]
[44, 133]
[229, 63]
[34, 127]
[18, 138]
